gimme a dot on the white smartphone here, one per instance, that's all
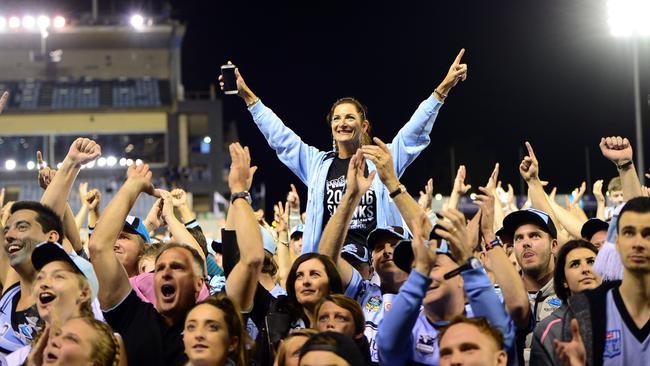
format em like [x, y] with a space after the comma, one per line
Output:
[229, 79]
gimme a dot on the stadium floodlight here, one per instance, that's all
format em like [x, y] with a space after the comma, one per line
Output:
[29, 22]
[58, 22]
[14, 22]
[629, 17]
[59, 165]
[207, 140]
[111, 161]
[138, 162]
[43, 21]
[137, 21]
[129, 162]
[3, 23]
[91, 164]
[10, 164]
[31, 165]
[101, 162]
[438, 197]
[122, 162]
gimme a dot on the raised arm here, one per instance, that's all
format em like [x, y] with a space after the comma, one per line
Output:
[242, 281]
[281, 213]
[113, 280]
[600, 199]
[506, 276]
[619, 151]
[337, 227]
[176, 228]
[291, 150]
[81, 151]
[380, 155]
[459, 188]
[81, 215]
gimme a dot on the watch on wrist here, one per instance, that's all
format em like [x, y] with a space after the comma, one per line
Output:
[400, 189]
[494, 243]
[245, 195]
[472, 263]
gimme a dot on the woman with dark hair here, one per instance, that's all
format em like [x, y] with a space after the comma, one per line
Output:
[339, 313]
[573, 274]
[312, 277]
[214, 333]
[324, 171]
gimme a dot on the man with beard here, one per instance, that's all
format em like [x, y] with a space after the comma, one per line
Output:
[30, 224]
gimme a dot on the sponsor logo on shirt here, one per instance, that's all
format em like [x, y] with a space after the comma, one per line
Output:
[425, 343]
[612, 343]
[373, 304]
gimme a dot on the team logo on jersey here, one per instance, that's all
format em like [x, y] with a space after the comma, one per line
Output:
[425, 343]
[373, 304]
[612, 343]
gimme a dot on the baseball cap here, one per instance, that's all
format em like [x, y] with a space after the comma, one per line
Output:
[134, 225]
[298, 230]
[403, 254]
[395, 232]
[593, 226]
[267, 240]
[355, 254]
[48, 252]
[216, 246]
[529, 216]
[343, 347]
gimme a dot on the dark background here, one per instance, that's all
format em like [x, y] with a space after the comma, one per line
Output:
[544, 71]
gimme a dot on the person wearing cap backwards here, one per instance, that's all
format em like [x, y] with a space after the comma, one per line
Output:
[65, 288]
[357, 256]
[375, 300]
[29, 224]
[595, 232]
[330, 348]
[435, 293]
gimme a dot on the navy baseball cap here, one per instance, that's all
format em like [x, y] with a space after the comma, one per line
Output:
[591, 227]
[529, 216]
[395, 232]
[355, 254]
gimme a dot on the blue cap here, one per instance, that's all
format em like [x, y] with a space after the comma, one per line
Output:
[299, 229]
[530, 216]
[134, 225]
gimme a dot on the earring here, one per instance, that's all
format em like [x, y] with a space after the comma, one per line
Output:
[333, 144]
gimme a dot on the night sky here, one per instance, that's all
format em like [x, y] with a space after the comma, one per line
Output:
[544, 71]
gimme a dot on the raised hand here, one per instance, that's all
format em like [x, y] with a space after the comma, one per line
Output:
[141, 176]
[453, 229]
[579, 192]
[492, 181]
[281, 216]
[83, 192]
[380, 155]
[167, 211]
[92, 199]
[241, 173]
[83, 151]
[457, 72]
[426, 197]
[293, 199]
[617, 149]
[357, 182]
[572, 353]
[179, 197]
[459, 182]
[424, 250]
[45, 173]
[242, 89]
[529, 167]
[153, 220]
[485, 201]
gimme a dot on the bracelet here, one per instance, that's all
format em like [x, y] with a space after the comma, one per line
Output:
[400, 189]
[252, 103]
[624, 165]
[285, 243]
[494, 243]
[443, 96]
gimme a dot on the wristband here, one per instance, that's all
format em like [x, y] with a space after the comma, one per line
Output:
[400, 189]
[494, 243]
[624, 165]
[443, 96]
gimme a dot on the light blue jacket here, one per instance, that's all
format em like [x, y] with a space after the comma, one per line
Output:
[311, 165]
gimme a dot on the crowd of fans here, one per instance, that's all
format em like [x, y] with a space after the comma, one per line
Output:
[367, 275]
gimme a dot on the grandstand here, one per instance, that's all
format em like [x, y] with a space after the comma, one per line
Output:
[117, 83]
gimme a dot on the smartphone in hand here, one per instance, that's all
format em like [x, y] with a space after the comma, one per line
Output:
[229, 79]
